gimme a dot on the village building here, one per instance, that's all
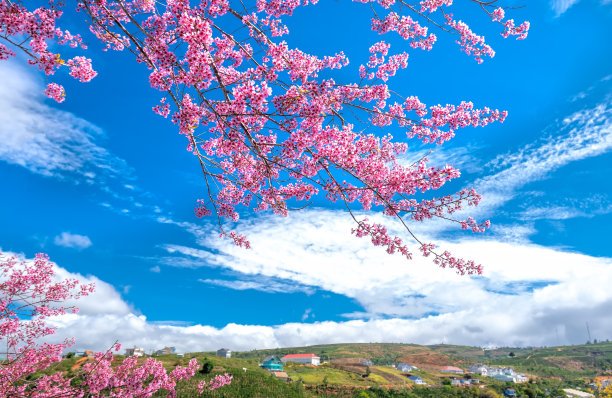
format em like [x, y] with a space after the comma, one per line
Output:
[405, 367]
[272, 363]
[479, 369]
[451, 369]
[510, 393]
[417, 380]
[139, 352]
[305, 359]
[224, 353]
[165, 351]
[571, 393]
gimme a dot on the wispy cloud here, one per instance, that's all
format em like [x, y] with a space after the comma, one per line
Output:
[262, 284]
[560, 6]
[66, 239]
[568, 209]
[307, 314]
[583, 134]
[48, 141]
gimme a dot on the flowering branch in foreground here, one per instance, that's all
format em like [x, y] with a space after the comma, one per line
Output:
[267, 130]
[29, 294]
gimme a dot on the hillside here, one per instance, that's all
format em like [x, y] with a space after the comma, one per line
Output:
[586, 360]
[344, 373]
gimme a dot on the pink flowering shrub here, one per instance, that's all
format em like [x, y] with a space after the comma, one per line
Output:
[269, 126]
[29, 294]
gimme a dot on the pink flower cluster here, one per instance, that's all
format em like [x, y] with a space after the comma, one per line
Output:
[56, 92]
[217, 382]
[407, 28]
[29, 293]
[470, 43]
[433, 5]
[380, 237]
[39, 27]
[384, 70]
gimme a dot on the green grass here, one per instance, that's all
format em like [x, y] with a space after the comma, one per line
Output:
[575, 365]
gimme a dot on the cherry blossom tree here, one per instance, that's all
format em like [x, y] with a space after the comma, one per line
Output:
[268, 132]
[29, 295]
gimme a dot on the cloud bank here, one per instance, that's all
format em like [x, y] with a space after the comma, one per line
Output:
[528, 296]
[48, 141]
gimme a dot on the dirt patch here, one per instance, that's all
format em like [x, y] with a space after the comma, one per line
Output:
[80, 362]
[567, 363]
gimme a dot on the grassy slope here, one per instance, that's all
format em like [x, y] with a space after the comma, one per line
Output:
[569, 362]
[586, 360]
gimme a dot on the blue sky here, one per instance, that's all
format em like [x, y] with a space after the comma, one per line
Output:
[107, 189]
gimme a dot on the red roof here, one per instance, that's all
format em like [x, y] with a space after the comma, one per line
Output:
[300, 356]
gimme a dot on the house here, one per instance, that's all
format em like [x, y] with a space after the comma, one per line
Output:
[455, 382]
[503, 377]
[570, 392]
[272, 363]
[306, 359]
[416, 379]
[139, 352]
[365, 362]
[510, 392]
[514, 378]
[405, 367]
[224, 353]
[519, 378]
[479, 369]
[165, 351]
[451, 369]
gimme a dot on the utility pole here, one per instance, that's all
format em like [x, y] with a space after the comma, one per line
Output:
[588, 332]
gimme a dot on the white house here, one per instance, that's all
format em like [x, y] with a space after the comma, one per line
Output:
[405, 367]
[224, 353]
[570, 392]
[480, 369]
[417, 380]
[139, 352]
[306, 359]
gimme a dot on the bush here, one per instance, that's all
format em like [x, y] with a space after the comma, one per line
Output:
[207, 367]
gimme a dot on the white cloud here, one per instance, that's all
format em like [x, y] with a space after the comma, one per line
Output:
[48, 141]
[66, 239]
[560, 6]
[583, 134]
[529, 295]
[155, 269]
[526, 291]
[307, 314]
[268, 285]
[588, 133]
